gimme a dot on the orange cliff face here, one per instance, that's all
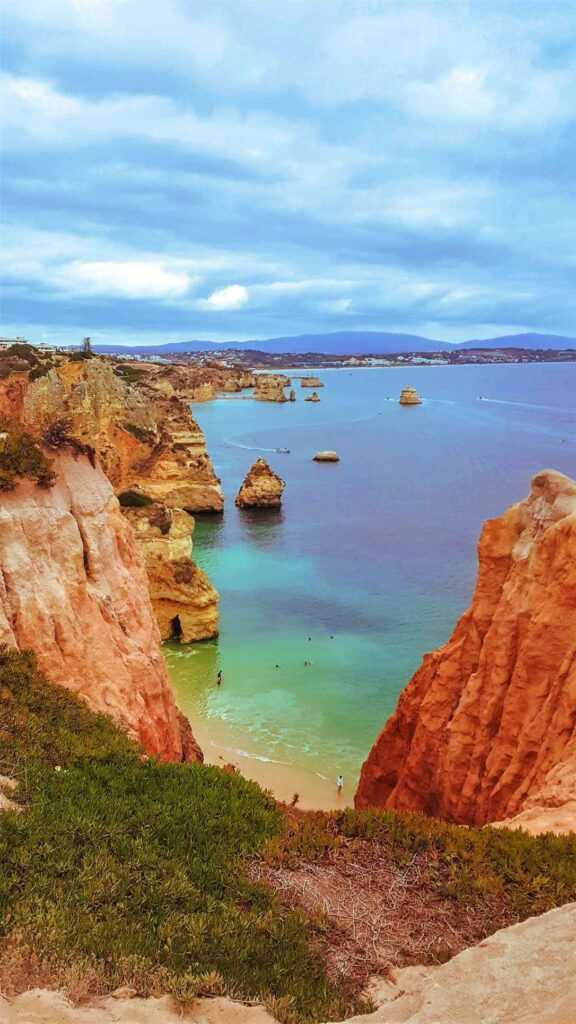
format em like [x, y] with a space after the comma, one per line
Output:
[143, 437]
[486, 728]
[73, 589]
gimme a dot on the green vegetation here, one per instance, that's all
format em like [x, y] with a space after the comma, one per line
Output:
[21, 457]
[131, 871]
[527, 874]
[41, 370]
[21, 350]
[131, 374]
[57, 435]
[79, 354]
[127, 871]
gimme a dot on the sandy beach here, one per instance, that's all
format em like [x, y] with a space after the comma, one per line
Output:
[222, 745]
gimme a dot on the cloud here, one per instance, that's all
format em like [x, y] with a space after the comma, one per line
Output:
[390, 167]
[131, 280]
[233, 296]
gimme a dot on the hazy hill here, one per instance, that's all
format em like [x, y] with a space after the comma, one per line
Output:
[352, 343]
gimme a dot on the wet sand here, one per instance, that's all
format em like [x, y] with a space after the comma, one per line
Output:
[222, 745]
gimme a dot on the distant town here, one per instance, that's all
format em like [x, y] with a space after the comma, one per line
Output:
[257, 359]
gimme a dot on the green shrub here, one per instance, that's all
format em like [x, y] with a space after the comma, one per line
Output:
[41, 370]
[131, 374]
[79, 354]
[21, 350]
[136, 869]
[21, 457]
[531, 874]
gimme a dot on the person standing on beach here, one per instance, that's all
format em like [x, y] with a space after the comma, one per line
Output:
[339, 783]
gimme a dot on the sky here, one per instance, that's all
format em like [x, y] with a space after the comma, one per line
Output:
[243, 169]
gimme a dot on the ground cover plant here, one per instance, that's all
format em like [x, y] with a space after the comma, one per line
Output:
[401, 889]
[125, 870]
[190, 880]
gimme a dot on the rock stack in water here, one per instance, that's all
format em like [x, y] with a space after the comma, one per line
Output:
[184, 601]
[270, 387]
[326, 457]
[262, 487]
[486, 729]
[409, 396]
[312, 398]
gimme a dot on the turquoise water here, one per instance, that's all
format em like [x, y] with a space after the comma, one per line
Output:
[370, 561]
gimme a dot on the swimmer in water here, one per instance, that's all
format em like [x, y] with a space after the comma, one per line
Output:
[339, 783]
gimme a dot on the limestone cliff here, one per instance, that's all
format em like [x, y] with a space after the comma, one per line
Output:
[486, 729]
[146, 440]
[143, 436]
[525, 974]
[409, 396]
[270, 387]
[184, 601]
[73, 589]
[262, 487]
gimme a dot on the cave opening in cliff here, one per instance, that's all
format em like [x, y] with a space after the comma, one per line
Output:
[175, 628]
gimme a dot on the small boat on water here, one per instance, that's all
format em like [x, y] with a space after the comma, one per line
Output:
[284, 451]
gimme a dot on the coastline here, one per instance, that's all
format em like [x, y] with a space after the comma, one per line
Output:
[222, 745]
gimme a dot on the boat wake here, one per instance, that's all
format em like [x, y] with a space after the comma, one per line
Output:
[255, 448]
[522, 405]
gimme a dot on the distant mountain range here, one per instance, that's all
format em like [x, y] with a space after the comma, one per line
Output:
[350, 343]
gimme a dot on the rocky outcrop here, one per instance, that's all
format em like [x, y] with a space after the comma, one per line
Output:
[184, 601]
[326, 457]
[311, 382]
[312, 398]
[262, 487]
[525, 974]
[409, 396]
[270, 387]
[124, 1006]
[144, 436]
[486, 729]
[73, 589]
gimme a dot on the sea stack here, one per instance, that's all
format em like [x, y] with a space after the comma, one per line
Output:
[312, 398]
[292, 396]
[409, 396]
[485, 731]
[262, 487]
[326, 457]
[270, 387]
[311, 382]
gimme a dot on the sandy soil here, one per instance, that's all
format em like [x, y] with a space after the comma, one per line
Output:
[221, 746]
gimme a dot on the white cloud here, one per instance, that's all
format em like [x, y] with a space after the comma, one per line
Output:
[130, 279]
[233, 296]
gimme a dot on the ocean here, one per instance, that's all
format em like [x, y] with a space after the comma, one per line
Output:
[328, 605]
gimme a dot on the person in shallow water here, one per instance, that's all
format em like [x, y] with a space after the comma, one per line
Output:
[219, 678]
[339, 783]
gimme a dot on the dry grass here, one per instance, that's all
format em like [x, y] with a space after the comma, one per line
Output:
[378, 914]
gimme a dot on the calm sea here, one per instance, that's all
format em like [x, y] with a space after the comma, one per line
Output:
[370, 561]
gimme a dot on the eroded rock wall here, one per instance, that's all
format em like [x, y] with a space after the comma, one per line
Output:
[73, 589]
[486, 728]
[184, 601]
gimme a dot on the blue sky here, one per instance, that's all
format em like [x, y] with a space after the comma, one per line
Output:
[240, 169]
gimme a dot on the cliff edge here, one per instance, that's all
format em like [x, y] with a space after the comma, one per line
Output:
[73, 589]
[486, 728]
